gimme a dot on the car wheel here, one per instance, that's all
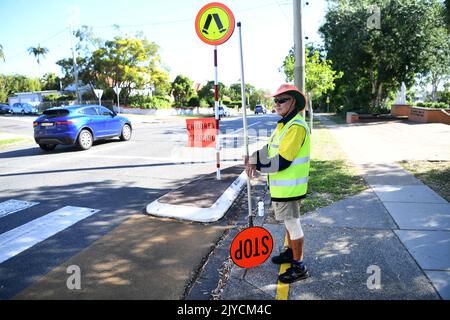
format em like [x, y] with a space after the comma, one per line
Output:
[85, 140]
[126, 133]
[47, 147]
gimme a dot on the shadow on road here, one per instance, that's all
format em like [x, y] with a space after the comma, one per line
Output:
[116, 203]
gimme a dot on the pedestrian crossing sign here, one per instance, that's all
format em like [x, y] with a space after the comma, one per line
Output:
[214, 23]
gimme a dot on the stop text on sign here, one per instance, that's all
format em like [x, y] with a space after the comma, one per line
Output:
[251, 247]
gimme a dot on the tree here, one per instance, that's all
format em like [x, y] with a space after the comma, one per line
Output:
[207, 92]
[160, 80]
[131, 62]
[236, 94]
[2, 54]
[50, 81]
[84, 74]
[11, 84]
[182, 90]
[376, 61]
[38, 52]
[447, 13]
[259, 96]
[235, 91]
[439, 60]
[319, 76]
[87, 42]
[126, 62]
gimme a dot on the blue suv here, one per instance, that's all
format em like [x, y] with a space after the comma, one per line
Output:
[79, 125]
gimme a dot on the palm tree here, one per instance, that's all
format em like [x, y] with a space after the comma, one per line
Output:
[38, 52]
[2, 55]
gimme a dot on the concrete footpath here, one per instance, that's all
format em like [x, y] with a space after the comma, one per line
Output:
[392, 241]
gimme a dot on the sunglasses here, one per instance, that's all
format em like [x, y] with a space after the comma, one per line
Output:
[281, 101]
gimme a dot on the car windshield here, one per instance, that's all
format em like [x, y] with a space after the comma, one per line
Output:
[56, 113]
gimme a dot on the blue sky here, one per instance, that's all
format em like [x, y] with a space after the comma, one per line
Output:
[267, 32]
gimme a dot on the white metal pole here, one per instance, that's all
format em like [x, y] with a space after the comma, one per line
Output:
[118, 94]
[118, 105]
[75, 66]
[244, 119]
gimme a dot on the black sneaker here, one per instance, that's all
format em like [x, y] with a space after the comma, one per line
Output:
[284, 257]
[293, 274]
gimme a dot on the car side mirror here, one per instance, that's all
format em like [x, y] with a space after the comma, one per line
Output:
[113, 114]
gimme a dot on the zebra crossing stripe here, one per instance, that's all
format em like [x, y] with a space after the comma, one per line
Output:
[21, 238]
[11, 206]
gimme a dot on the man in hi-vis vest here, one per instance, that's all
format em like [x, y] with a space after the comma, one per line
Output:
[286, 161]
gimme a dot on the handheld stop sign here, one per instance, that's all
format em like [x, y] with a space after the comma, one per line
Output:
[251, 247]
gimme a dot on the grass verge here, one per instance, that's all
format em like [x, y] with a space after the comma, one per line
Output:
[332, 177]
[435, 174]
[8, 142]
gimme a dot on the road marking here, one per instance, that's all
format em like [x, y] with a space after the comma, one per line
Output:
[254, 124]
[283, 288]
[24, 237]
[62, 158]
[11, 206]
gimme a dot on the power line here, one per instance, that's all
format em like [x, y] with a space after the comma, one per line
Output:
[19, 54]
[55, 35]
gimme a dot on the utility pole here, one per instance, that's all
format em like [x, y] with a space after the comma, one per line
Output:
[299, 48]
[75, 67]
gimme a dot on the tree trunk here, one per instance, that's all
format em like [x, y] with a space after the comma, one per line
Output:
[435, 79]
[379, 94]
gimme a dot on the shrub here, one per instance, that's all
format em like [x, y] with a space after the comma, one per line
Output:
[149, 102]
[204, 103]
[434, 105]
[194, 101]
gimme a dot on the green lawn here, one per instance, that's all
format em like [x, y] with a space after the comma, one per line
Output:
[435, 174]
[332, 177]
[5, 142]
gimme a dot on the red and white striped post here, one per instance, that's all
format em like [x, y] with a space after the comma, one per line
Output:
[224, 27]
[216, 112]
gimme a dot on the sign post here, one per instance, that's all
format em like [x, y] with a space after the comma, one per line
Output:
[245, 124]
[214, 25]
[99, 93]
[117, 90]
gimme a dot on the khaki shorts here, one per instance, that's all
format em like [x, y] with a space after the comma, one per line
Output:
[286, 210]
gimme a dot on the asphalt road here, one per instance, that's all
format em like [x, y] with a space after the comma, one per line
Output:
[147, 258]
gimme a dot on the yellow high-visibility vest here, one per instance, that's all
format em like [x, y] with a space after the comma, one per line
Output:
[292, 182]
